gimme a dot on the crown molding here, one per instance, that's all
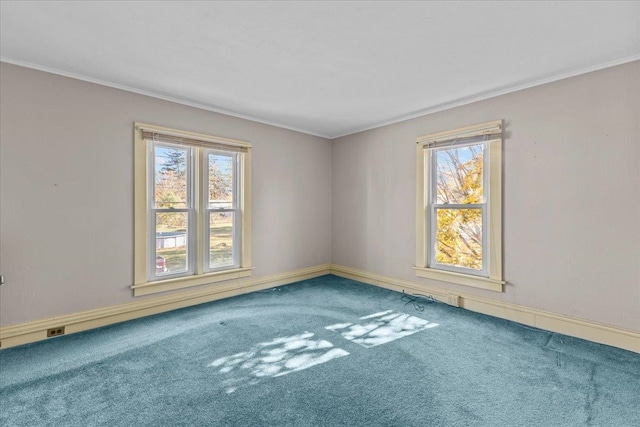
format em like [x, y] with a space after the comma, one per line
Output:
[493, 93]
[155, 95]
[419, 113]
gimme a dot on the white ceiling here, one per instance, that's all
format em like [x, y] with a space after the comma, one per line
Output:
[324, 68]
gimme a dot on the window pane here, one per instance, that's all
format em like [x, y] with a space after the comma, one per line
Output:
[220, 239]
[459, 174]
[171, 242]
[170, 177]
[459, 237]
[220, 180]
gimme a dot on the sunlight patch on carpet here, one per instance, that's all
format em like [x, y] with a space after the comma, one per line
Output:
[275, 358]
[381, 328]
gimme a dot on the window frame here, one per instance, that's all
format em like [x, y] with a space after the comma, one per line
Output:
[490, 277]
[198, 272]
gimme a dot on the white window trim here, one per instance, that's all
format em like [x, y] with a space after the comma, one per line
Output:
[142, 234]
[494, 280]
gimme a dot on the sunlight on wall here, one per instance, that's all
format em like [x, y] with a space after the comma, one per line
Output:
[275, 358]
[381, 328]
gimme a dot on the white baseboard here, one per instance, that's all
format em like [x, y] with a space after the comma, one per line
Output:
[592, 331]
[25, 333]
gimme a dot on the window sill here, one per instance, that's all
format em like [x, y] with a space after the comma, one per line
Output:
[460, 279]
[189, 281]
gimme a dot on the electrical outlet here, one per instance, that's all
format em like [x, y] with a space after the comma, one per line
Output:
[54, 332]
[453, 300]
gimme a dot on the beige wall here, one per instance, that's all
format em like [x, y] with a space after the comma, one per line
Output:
[571, 195]
[66, 192]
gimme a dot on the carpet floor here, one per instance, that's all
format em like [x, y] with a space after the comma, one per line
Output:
[322, 352]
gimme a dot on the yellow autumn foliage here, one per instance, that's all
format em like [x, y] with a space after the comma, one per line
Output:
[459, 230]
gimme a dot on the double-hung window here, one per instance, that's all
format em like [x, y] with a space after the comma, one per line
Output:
[192, 209]
[459, 194]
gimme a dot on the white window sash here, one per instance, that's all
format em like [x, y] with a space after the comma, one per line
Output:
[455, 268]
[433, 205]
[236, 239]
[152, 212]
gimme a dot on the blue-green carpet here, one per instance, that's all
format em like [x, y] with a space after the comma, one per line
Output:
[322, 352]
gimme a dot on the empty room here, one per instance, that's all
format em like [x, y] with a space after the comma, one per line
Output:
[316, 213]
